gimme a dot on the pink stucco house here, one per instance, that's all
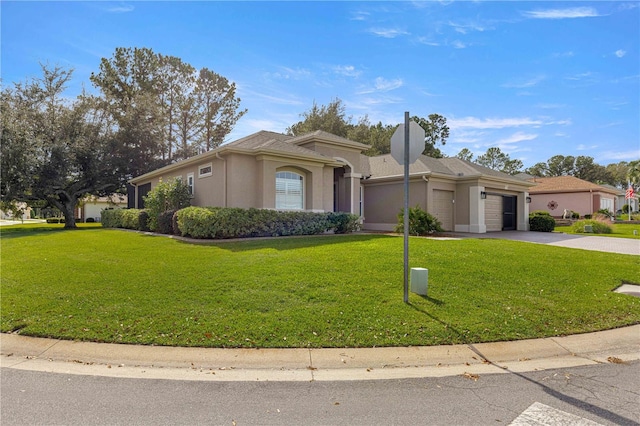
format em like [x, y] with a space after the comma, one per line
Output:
[557, 194]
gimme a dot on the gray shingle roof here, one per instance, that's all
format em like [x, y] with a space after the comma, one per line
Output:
[385, 166]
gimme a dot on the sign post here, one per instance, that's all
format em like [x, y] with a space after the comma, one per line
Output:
[407, 144]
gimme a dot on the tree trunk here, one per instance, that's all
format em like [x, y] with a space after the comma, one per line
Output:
[67, 206]
[69, 213]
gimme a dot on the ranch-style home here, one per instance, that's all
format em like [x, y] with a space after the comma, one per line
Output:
[560, 193]
[322, 172]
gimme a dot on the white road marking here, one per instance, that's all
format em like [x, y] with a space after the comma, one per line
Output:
[539, 414]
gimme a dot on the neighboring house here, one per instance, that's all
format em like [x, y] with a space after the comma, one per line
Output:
[620, 199]
[322, 172]
[557, 194]
[92, 206]
[8, 215]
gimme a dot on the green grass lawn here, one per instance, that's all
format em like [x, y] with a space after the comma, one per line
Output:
[620, 230]
[107, 285]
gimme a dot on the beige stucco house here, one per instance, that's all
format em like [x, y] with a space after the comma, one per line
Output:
[322, 172]
[560, 193]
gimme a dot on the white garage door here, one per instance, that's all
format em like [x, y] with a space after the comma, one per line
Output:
[493, 213]
[443, 208]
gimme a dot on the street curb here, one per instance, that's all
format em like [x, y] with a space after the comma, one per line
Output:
[620, 345]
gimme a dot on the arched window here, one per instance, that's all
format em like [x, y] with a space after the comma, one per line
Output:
[289, 191]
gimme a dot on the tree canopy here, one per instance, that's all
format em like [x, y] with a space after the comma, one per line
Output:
[332, 118]
[53, 150]
[152, 110]
[494, 159]
[184, 111]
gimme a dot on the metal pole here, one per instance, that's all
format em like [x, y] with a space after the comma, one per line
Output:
[406, 207]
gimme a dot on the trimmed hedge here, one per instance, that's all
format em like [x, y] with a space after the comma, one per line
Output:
[55, 220]
[125, 218]
[220, 223]
[541, 221]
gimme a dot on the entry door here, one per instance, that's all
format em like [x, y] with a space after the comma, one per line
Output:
[508, 213]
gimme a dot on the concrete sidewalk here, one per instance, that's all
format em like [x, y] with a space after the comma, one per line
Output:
[154, 362]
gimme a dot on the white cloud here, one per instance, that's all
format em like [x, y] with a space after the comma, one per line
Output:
[620, 53]
[526, 83]
[568, 54]
[517, 137]
[550, 106]
[428, 42]
[491, 123]
[388, 32]
[383, 85]
[620, 156]
[360, 16]
[287, 73]
[466, 28]
[347, 70]
[569, 13]
[121, 9]
[458, 44]
[583, 147]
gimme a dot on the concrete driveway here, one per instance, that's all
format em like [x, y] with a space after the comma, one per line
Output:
[585, 242]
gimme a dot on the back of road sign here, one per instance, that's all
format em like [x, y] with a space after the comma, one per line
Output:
[416, 143]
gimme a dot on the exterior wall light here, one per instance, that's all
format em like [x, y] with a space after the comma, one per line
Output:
[483, 195]
[528, 200]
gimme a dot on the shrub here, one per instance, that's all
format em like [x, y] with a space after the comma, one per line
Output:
[125, 218]
[587, 216]
[165, 222]
[575, 215]
[420, 222]
[174, 223]
[541, 221]
[625, 209]
[53, 220]
[90, 220]
[170, 195]
[598, 226]
[343, 223]
[539, 213]
[218, 223]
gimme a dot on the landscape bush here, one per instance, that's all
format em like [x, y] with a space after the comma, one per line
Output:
[597, 226]
[420, 222]
[541, 221]
[223, 223]
[165, 222]
[166, 196]
[55, 220]
[344, 223]
[125, 218]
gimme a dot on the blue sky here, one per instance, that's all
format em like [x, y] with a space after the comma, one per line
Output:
[535, 79]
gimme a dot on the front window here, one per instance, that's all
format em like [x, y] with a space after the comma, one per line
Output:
[190, 184]
[289, 191]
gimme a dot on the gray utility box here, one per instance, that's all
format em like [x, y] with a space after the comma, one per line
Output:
[419, 280]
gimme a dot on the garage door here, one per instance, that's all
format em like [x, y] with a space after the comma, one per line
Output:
[443, 208]
[493, 213]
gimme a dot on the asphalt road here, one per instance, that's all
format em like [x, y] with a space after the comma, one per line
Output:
[605, 394]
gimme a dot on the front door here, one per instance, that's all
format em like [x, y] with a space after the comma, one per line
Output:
[509, 213]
